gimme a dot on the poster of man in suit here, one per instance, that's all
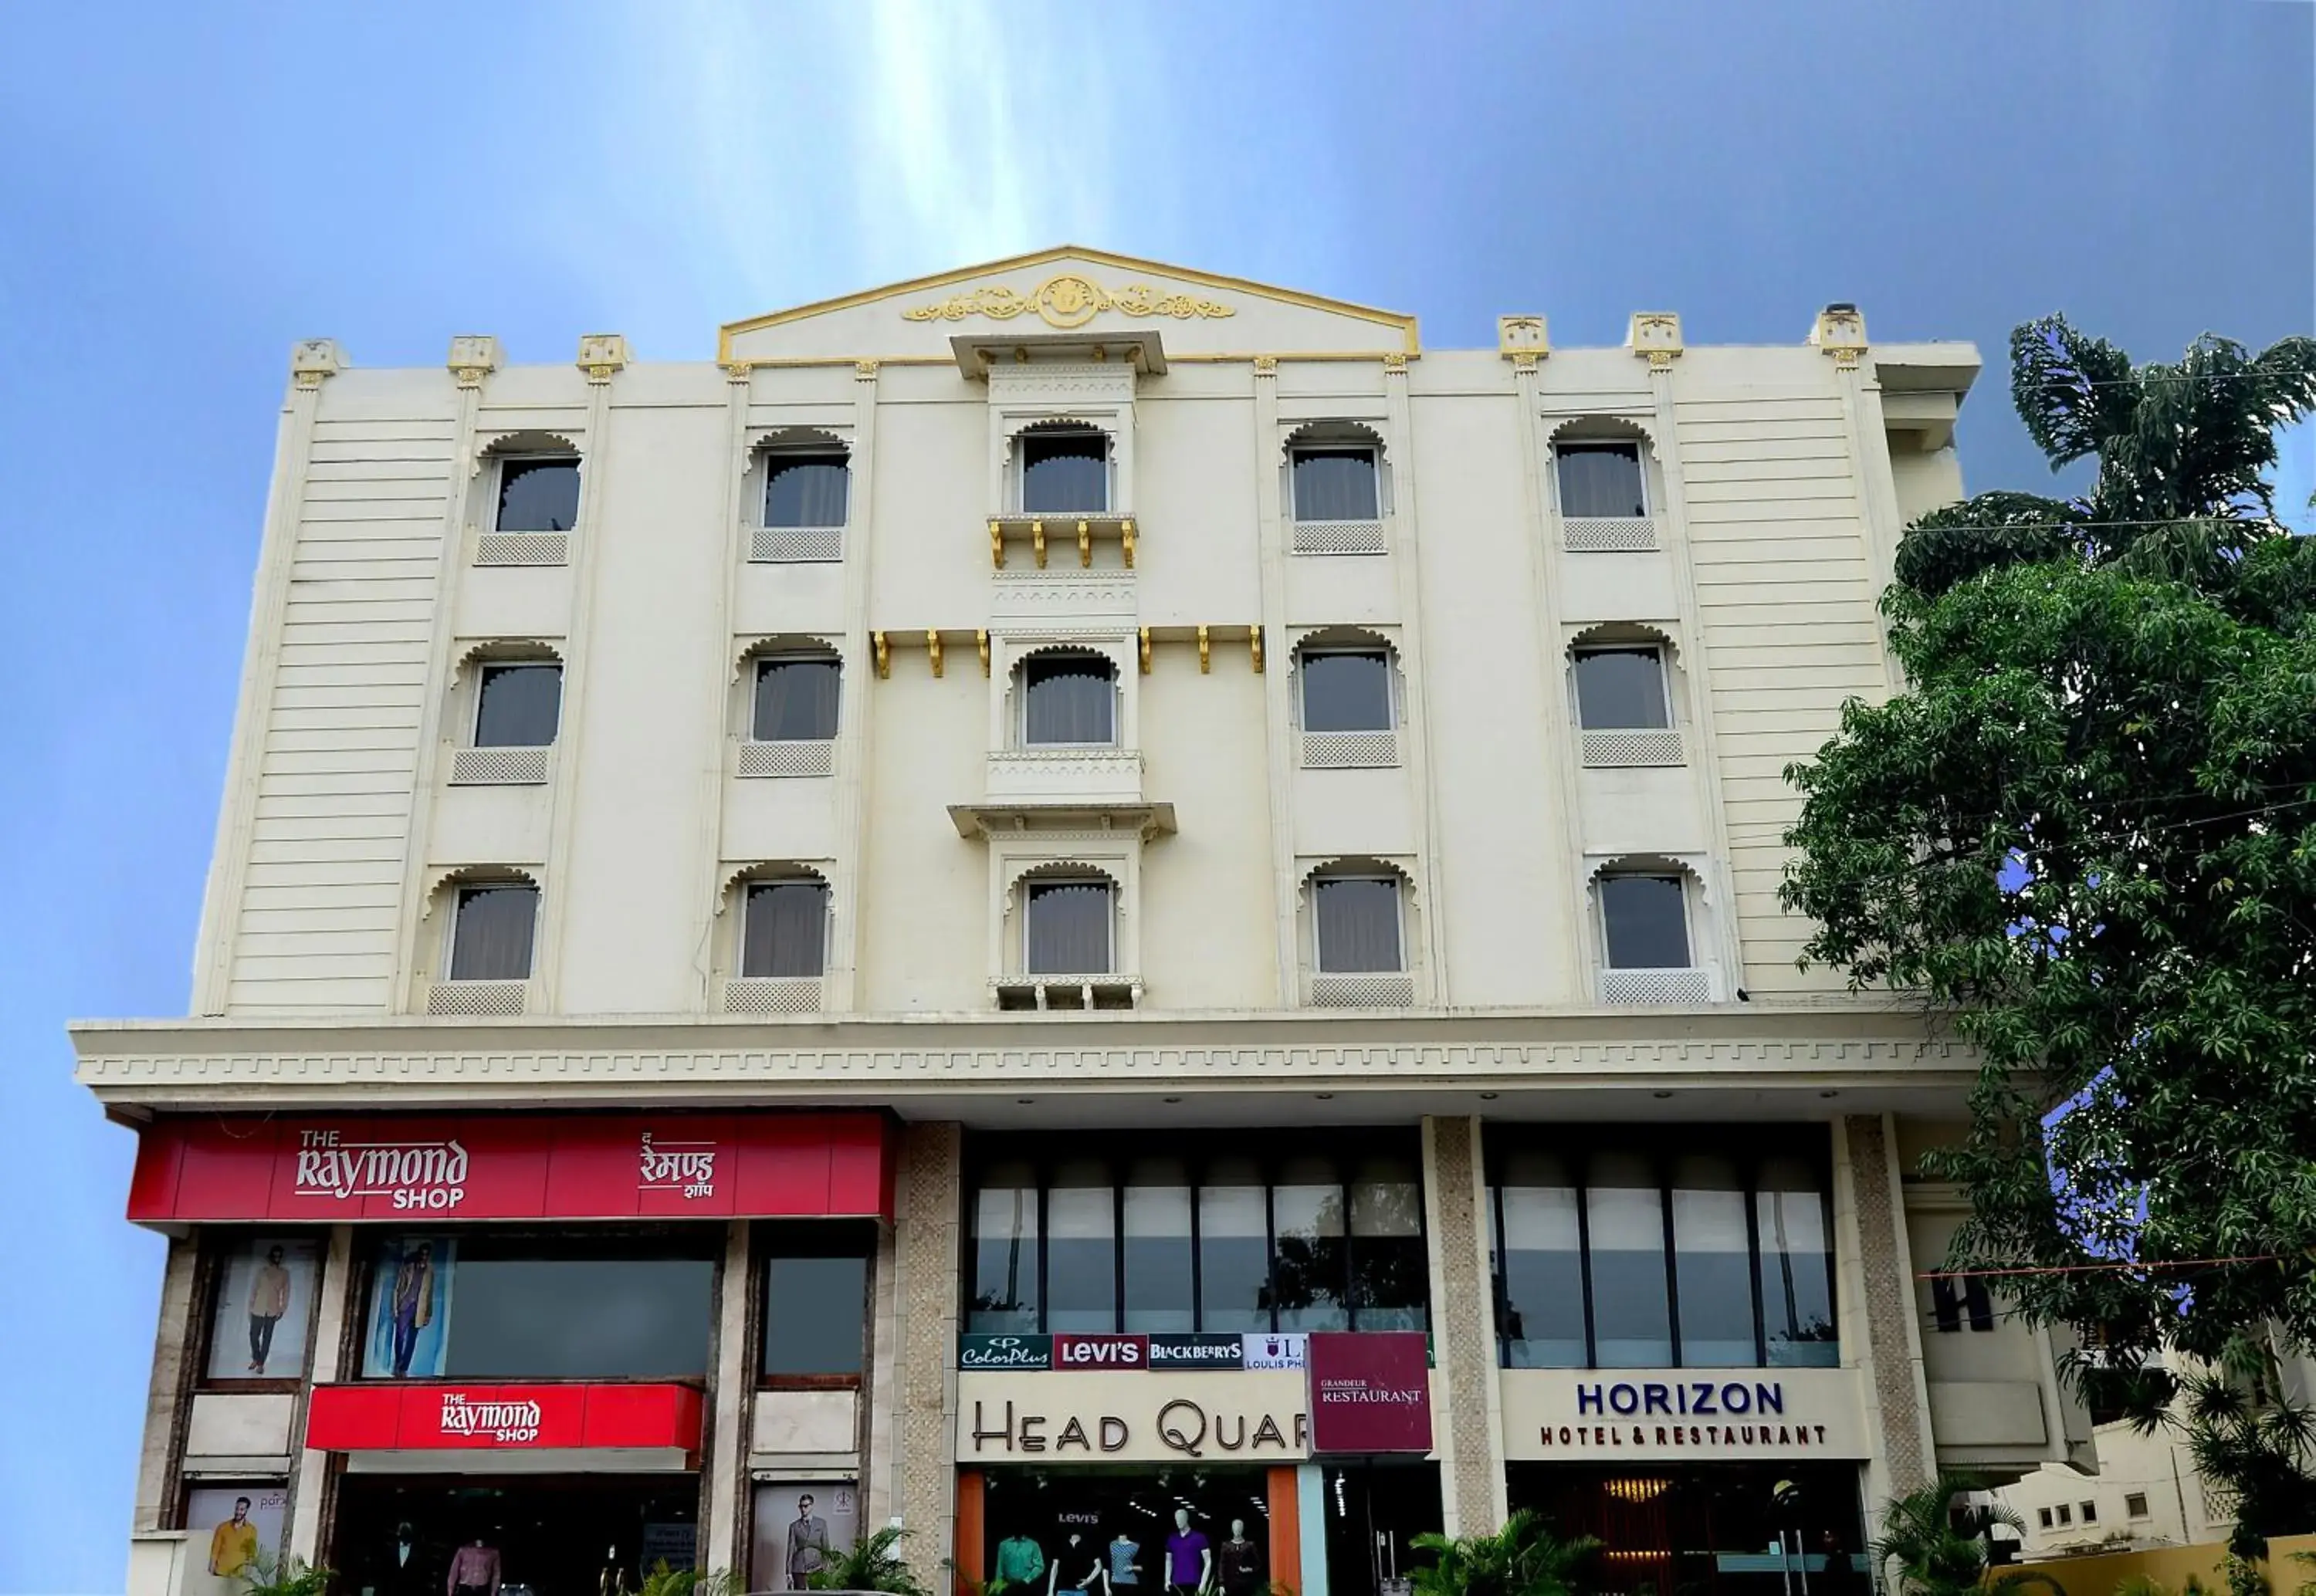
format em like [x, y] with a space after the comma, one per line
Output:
[801, 1527]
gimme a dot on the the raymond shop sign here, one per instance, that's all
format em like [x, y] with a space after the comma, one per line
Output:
[467, 1416]
[1636, 1413]
[512, 1167]
[1369, 1393]
[1118, 1415]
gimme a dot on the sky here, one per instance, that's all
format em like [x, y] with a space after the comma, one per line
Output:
[186, 189]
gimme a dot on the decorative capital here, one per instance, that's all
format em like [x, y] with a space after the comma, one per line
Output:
[737, 371]
[1656, 335]
[1396, 363]
[864, 370]
[314, 359]
[1518, 335]
[1524, 359]
[601, 354]
[1840, 330]
[474, 355]
[1266, 365]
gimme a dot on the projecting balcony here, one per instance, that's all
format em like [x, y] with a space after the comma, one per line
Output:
[1048, 992]
[1079, 776]
[1060, 537]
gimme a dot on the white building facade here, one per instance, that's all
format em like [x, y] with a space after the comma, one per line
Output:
[1109, 912]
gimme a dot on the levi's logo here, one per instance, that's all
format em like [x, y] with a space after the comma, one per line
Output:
[1102, 1351]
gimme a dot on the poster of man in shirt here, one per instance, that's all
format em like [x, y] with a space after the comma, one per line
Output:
[410, 1307]
[266, 1292]
[801, 1528]
[234, 1530]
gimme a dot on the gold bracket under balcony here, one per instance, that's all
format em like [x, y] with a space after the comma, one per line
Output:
[1085, 530]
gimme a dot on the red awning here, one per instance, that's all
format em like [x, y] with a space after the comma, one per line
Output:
[468, 1415]
[296, 1169]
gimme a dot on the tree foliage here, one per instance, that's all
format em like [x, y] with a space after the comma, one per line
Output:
[1523, 1558]
[1930, 1554]
[2086, 836]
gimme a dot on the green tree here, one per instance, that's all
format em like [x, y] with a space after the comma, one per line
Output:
[2085, 838]
[872, 1564]
[1523, 1558]
[1933, 1554]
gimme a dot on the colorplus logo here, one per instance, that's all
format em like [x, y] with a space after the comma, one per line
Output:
[416, 1175]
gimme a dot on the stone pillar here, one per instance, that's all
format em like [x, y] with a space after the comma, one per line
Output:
[723, 1464]
[1883, 1333]
[164, 1396]
[1468, 1422]
[880, 1433]
[924, 1418]
[309, 1471]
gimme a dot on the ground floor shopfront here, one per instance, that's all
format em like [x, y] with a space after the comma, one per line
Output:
[547, 1351]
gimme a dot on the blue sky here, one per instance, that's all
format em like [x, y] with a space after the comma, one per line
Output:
[186, 189]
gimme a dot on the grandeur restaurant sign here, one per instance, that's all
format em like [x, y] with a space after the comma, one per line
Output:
[512, 1167]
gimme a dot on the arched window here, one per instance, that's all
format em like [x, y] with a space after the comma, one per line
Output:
[795, 698]
[1064, 470]
[1335, 489]
[1345, 686]
[1645, 920]
[1356, 922]
[518, 702]
[1621, 687]
[494, 925]
[806, 487]
[1067, 924]
[1600, 478]
[784, 927]
[1069, 696]
[538, 493]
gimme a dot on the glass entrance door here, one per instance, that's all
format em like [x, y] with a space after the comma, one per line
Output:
[1374, 1510]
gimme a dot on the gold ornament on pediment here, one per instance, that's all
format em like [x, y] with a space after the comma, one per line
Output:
[1064, 302]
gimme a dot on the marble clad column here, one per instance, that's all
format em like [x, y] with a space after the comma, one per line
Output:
[925, 1496]
[1467, 1424]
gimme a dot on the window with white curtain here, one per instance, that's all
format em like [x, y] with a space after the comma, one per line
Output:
[1336, 484]
[804, 489]
[492, 927]
[1067, 925]
[796, 698]
[1069, 698]
[1356, 923]
[1602, 480]
[1065, 471]
[1345, 689]
[785, 930]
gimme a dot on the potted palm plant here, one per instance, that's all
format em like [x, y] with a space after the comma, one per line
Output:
[1523, 1558]
[1937, 1557]
[873, 1563]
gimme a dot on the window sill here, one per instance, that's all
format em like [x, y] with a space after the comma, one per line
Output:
[1066, 992]
[800, 757]
[774, 993]
[1080, 528]
[795, 545]
[1350, 750]
[1608, 535]
[477, 999]
[1368, 989]
[1629, 988]
[1621, 748]
[1338, 538]
[507, 767]
[522, 548]
[808, 1382]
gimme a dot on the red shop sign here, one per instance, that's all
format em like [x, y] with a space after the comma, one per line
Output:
[512, 1167]
[465, 1416]
[1369, 1393]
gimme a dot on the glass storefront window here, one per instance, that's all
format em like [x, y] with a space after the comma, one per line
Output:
[815, 1301]
[1005, 1252]
[1624, 1213]
[1159, 1291]
[1307, 1273]
[1081, 1250]
[1712, 1263]
[1234, 1249]
[1797, 1269]
[1391, 1273]
[1539, 1247]
[1648, 1247]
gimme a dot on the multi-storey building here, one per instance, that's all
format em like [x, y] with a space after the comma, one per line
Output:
[960, 910]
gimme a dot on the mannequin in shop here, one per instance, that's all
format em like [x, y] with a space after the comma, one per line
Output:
[474, 1570]
[1020, 1560]
[613, 1579]
[1123, 1568]
[1189, 1559]
[1242, 1562]
[1077, 1570]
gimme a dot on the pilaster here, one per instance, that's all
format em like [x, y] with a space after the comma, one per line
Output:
[723, 1462]
[1839, 331]
[1407, 568]
[1881, 1286]
[167, 1392]
[1278, 709]
[1468, 1416]
[311, 1482]
[856, 704]
[924, 1488]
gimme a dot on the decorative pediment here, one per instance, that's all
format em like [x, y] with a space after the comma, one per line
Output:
[1075, 304]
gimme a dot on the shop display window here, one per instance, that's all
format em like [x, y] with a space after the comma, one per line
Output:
[1627, 1248]
[262, 1289]
[486, 1304]
[1707, 1529]
[816, 1303]
[233, 1532]
[1102, 1235]
[1133, 1533]
[510, 1534]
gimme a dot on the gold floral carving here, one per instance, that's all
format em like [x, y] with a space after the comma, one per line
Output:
[1066, 301]
[1396, 362]
[1266, 365]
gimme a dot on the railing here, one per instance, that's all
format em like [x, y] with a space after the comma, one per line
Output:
[801, 756]
[795, 545]
[1059, 773]
[500, 766]
[1632, 745]
[1377, 990]
[1349, 750]
[1339, 537]
[522, 548]
[1608, 535]
[772, 994]
[1648, 987]
[477, 997]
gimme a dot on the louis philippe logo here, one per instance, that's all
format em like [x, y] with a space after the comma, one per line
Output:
[685, 1166]
[416, 1175]
[513, 1422]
